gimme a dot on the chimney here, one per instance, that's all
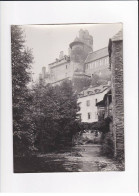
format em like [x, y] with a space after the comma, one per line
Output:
[43, 72]
[61, 55]
[40, 76]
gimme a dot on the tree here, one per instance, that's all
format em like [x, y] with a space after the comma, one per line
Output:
[55, 114]
[21, 63]
[81, 83]
[97, 80]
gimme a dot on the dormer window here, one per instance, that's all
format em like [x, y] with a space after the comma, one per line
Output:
[97, 90]
[89, 92]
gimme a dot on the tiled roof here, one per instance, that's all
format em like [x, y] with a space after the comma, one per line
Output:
[97, 55]
[94, 90]
[118, 36]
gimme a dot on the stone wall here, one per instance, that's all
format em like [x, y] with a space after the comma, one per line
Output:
[117, 97]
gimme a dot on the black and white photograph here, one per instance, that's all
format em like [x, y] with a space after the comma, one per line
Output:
[67, 98]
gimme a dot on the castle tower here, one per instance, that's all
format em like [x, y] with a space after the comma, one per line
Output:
[80, 48]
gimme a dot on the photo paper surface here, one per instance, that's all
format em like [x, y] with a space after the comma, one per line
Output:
[67, 90]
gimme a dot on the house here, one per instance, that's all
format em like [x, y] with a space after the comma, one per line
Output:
[87, 100]
[104, 107]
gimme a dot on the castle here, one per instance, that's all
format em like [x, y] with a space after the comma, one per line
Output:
[81, 62]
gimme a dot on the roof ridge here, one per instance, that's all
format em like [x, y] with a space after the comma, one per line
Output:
[100, 49]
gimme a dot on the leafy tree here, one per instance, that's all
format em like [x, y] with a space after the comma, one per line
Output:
[55, 114]
[97, 80]
[81, 83]
[21, 63]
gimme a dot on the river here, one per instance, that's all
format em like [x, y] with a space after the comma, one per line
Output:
[81, 158]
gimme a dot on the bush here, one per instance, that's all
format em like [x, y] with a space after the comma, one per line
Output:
[107, 147]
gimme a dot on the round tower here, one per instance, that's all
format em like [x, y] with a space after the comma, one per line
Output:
[80, 48]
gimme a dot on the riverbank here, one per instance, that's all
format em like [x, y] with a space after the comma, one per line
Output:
[82, 158]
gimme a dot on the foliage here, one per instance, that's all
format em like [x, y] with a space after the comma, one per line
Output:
[102, 126]
[107, 147]
[81, 83]
[97, 80]
[21, 63]
[55, 114]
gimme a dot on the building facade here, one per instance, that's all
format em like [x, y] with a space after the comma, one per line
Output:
[98, 63]
[81, 62]
[104, 107]
[87, 101]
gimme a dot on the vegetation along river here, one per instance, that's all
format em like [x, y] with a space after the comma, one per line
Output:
[81, 158]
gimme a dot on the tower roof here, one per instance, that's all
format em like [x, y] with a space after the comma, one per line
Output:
[75, 43]
[84, 38]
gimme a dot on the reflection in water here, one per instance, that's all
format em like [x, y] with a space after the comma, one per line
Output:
[74, 159]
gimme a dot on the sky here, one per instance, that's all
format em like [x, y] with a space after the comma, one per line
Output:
[46, 41]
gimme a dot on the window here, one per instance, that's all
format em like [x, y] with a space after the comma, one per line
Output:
[95, 115]
[79, 106]
[89, 115]
[88, 102]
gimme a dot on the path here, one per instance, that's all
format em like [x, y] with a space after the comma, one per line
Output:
[83, 158]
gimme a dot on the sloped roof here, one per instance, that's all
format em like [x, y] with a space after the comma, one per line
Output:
[118, 36]
[102, 102]
[97, 55]
[94, 90]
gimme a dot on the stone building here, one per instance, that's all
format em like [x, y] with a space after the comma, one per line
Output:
[98, 63]
[61, 68]
[104, 107]
[81, 62]
[116, 65]
[80, 48]
[87, 100]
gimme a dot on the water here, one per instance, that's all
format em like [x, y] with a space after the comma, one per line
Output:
[83, 158]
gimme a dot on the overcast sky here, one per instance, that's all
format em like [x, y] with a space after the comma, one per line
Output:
[48, 40]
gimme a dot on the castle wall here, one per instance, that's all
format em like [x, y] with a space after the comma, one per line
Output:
[61, 71]
[117, 96]
[99, 67]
